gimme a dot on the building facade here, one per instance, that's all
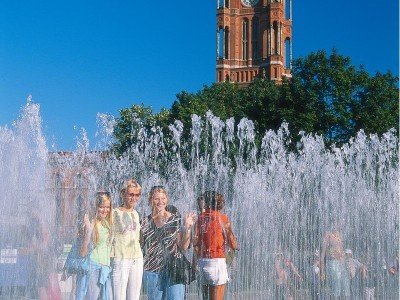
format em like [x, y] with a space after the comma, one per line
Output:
[254, 39]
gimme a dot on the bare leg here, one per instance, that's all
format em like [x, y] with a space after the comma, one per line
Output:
[43, 294]
[217, 292]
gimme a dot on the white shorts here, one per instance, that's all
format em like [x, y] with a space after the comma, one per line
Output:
[213, 271]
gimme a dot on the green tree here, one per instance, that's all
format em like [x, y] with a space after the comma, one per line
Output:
[377, 107]
[338, 98]
[132, 119]
[326, 95]
[261, 104]
[225, 100]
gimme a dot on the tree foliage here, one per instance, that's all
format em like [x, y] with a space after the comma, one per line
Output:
[132, 120]
[326, 95]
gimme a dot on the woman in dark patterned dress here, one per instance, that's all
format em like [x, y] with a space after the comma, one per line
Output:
[163, 241]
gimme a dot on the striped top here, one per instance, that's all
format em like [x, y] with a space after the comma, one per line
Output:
[158, 242]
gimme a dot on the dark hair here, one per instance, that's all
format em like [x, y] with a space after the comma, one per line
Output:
[213, 200]
[200, 203]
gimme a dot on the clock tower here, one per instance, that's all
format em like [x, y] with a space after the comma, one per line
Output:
[254, 39]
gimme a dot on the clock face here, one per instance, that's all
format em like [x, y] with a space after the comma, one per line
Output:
[250, 3]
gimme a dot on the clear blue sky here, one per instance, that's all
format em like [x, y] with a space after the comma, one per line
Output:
[77, 58]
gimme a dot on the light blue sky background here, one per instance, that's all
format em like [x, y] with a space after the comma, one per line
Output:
[77, 58]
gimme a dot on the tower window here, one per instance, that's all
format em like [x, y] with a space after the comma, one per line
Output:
[58, 181]
[275, 49]
[287, 54]
[222, 4]
[245, 36]
[220, 45]
[254, 39]
[78, 180]
[288, 9]
[226, 43]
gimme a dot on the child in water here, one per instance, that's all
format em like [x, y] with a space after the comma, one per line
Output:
[213, 234]
[96, 244]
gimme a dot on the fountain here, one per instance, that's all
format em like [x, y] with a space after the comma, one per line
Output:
[278, 198]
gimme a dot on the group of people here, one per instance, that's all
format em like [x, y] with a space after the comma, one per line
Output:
[332, 273]
[123, 251]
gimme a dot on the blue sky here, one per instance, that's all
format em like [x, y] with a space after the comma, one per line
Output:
[78, 58]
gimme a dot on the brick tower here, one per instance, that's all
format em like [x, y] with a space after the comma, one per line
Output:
[254, 39]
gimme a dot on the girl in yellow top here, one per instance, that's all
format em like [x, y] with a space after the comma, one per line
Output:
[128, 258]
[96, 242]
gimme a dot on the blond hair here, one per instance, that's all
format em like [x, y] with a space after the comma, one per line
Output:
[130, 183]
[157, 189]
[101, 198]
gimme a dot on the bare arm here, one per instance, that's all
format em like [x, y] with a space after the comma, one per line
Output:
[196, 241]
[323, 254]
[295, 271]
[277, 267]
[83, 251]
[184, 238]
[363, 271]
[232, 241]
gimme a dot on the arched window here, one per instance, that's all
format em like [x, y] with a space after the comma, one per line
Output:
[254, 39]
[226, 43]
[226, 3]
[288, 9]
[58, 181]
[245, 38]
[275, 46]
[78, 180]
[220, 43]
[288, 57]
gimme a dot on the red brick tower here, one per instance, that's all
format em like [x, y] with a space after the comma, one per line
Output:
[254, 39]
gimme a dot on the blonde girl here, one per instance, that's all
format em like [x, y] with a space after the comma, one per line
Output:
[96, 244]
[162, 240]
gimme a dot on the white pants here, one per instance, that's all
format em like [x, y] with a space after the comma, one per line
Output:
[127, 278]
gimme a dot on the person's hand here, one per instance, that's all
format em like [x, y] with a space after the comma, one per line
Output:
[392, 271]
[88, 224]
[323, 276]
[190, 219]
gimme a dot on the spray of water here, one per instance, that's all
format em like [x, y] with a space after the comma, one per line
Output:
[279, 200]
